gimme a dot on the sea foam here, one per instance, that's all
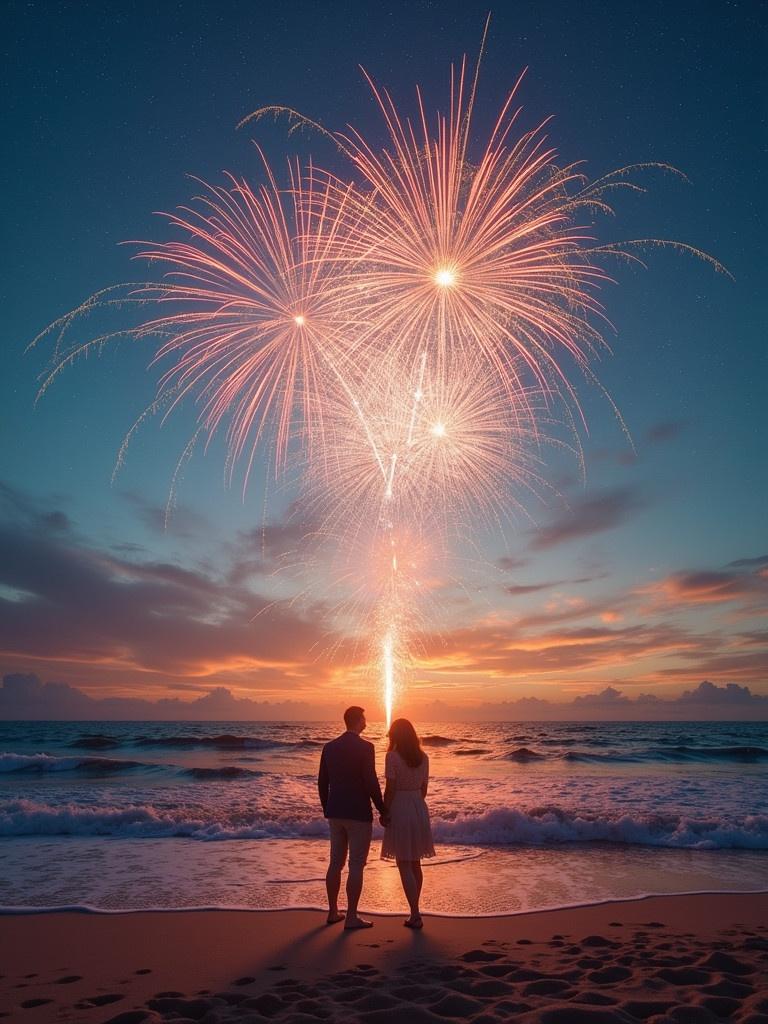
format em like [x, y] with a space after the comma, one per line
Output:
[502, 826]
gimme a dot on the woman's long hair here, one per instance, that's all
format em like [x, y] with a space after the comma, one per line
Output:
[403, 739]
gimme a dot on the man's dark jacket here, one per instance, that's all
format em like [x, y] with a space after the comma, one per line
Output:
[347, 779]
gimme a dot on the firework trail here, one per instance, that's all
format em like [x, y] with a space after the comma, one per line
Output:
[404, 337]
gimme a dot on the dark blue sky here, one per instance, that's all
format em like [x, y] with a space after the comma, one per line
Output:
[106, 108]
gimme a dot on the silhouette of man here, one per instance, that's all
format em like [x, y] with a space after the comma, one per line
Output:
[347, 783]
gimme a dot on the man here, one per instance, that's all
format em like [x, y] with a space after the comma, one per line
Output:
[347, 783]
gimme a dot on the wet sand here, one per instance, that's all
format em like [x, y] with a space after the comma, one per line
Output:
[683, 959]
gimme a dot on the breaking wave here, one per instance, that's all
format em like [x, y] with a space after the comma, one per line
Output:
[502, 826]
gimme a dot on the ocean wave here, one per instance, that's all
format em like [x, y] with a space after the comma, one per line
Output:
[538, 826]
[43, 763]
[523, 755]
[550, 825]
[647, 755]
[682, 752]
[611, 757]
[471, 752]
[32, 818]
[437, 741]
[96, 741]
[225, 741]
[48, 763]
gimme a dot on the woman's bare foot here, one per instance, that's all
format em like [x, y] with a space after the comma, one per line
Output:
[355, 923]
[414, 921]
[334, 917]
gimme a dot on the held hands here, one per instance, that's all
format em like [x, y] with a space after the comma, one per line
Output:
[384, 819]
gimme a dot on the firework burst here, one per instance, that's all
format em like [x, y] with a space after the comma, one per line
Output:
[481, 259]
[403, 337]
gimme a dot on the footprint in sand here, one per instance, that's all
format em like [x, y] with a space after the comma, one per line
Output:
[684, 976]
[718, 961]
[595, 999]
[480, 956]
[100, 1000]
[230, 998]
[597, 941]
[609, 975]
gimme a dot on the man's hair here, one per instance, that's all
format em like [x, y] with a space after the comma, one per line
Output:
[353, 715]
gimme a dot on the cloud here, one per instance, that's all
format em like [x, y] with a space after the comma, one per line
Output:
[28, 697]
[749, 563]
[664, 430]
[69, 603]
[707, 702]
[729, 695]
[510, 564]
[271, 546]
[531, 588]
[573, 639]
[711, 587]
[588, 517]
[17, 506]
[511, 650]
[609, 696]
[178, 520]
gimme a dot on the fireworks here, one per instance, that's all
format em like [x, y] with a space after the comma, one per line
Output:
[404, 335]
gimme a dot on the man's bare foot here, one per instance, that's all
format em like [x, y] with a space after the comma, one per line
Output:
[334, 917]
[356, 923]
[414, 922]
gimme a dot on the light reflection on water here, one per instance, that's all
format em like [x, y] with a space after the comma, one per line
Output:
[121, 874]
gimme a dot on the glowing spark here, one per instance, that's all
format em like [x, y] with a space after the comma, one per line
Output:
[445, 278]
[299, 320]
[438, 429]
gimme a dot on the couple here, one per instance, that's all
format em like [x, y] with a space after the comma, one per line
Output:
[347, 782]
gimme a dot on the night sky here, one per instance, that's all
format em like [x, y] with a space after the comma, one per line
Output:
[648, 576]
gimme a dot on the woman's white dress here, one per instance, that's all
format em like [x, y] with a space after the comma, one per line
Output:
[409, 834]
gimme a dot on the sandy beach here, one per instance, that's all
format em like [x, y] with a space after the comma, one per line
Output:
[696, 958]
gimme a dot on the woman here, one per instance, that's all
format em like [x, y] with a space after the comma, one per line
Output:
[408, 835]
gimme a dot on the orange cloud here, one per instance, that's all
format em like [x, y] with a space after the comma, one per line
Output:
[710, 587]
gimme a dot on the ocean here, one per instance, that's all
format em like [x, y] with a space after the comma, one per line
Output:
[526, 815]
